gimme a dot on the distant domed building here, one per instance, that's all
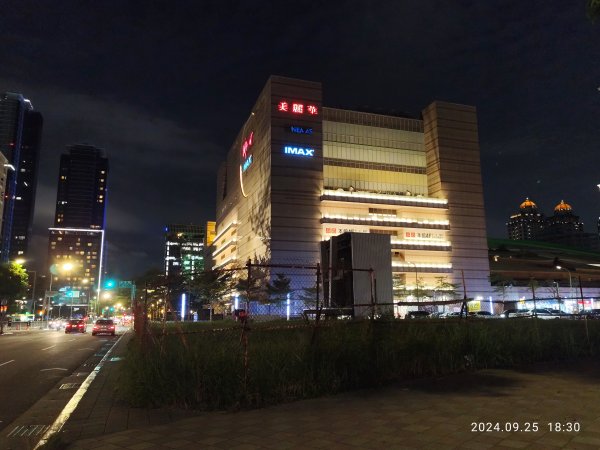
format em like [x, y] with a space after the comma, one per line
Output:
[527, 224]
[563, 227]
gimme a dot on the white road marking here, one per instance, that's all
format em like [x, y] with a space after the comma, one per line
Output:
[49, 347]
[53, 368]
[70, 407]
[7, 362]
[86, 348]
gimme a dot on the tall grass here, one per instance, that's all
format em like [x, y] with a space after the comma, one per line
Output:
[198, 367]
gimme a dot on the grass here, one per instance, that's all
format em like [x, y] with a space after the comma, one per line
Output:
[204, 366]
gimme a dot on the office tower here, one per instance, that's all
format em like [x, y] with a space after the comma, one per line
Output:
[27, 176]
[77, 237]
[20, 136]
[184, 250]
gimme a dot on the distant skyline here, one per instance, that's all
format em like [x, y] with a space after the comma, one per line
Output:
[163, 89]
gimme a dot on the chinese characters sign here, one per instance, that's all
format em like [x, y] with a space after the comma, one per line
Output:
[297, 108]
[247, 159]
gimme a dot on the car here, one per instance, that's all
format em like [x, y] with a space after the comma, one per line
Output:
[515, 313]
[104, 326]
[542, 313]
[593, 314]
[450, 315]
[559, 313]
[417, 315]
[56, 324]
[75, 326]
[482, 314]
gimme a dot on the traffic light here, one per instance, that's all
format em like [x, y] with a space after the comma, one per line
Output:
[110, 284]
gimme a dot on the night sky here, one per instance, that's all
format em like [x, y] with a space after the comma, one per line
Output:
[164, 87]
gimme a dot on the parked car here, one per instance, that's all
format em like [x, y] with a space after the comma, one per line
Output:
[417, 315]
[515, 313]
[593, 314]
[561, 314]
[104, 326]
[75, 326]
[482, 314]
[543, 313]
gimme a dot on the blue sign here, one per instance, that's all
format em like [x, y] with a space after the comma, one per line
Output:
[247, 163]
[301, 130]
[298, 151]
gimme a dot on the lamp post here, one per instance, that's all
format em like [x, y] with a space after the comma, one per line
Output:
[570, 280]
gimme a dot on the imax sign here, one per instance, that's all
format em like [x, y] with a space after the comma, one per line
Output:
[299, 151]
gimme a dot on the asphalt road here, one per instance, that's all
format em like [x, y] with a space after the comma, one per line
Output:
[32, 362]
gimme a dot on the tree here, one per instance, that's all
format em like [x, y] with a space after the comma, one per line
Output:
[278, 289]
[501, 285]
[13, 284]
[212, 288]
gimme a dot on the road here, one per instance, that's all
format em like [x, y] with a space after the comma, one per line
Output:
[33, 362]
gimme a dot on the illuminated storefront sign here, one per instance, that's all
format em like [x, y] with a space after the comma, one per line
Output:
[340, 230]
[301, 130]
[427, 235]
[297, 108]
[246, 158]
[298, 151]
[248, 142]
[247, 163]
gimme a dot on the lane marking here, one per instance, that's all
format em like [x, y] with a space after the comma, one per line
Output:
[7, 362]
[49, 347]
[77, 397]
[53, 368]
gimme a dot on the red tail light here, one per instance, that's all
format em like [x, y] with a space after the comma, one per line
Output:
[81, 325]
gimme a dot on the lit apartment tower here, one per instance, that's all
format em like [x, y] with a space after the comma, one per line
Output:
[528, 224]
[78, 233]
[184, 249]
[20, 135]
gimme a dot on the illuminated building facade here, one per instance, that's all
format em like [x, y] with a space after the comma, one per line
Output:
[299, 173]
[184, 249]
[78, 233]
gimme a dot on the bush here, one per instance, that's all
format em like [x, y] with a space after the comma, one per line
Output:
[204, 367]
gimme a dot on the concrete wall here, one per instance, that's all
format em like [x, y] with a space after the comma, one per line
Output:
[454, 172]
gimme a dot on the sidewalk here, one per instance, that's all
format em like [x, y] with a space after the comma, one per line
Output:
[434, 414]
[101, 413]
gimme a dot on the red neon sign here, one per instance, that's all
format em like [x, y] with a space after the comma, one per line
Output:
[247, 144]
[297, 108]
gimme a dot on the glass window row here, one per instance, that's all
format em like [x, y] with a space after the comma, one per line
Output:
[373, 166]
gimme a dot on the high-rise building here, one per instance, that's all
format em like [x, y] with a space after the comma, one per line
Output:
[299, 173]
[20, 137]
[77, 237]
[184, 249]
[527, 224]
[26, 185]
[562, 227]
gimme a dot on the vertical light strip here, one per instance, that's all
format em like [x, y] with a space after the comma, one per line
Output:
[100, 266]
[183, 306]
[288, 306]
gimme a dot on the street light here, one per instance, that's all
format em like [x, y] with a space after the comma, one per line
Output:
[570, 280]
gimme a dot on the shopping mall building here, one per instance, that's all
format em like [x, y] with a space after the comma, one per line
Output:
[299, 173]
